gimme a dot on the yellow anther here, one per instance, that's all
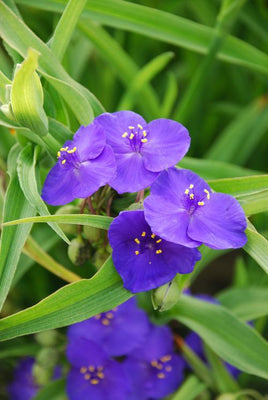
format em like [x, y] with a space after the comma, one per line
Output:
[160, 375]
[131, 127]
[100, 375]
[159, 251]
[191, 196]
[137, 252]
[187, 191]
[58, 154]
[201, 203]
[166, 358]
[153, 235]
[98, 316]
[72, 151]
[105, 322]
[143, 234]
[159, 240]
[154, 363]
[87, 376]
[207, 193]
[191, 186]
[144, 140]
[137, 241]
[83, 370]
[91, 368]
[109, 315]
[125, 135]
[139, 126]
[131, 136]
[144, 133]
[159, 366]
[94, 381]
[168, 368]
[63, 161]
[64, 148]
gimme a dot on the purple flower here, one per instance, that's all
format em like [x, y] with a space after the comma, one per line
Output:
[117, 331]
[84, 165]
[143, 260]
[154, 369]
[93, 374]
[142, 150]
[183, 210]
[23, 386]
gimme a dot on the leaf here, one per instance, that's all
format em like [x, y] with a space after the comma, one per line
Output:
[53, 391]
[254, 203]
[27, 178]
[240, 186]
[257, 248]
[230, 339]
[163, 26]
[14, 237]
[255, 306]
[96, 221]
[189, 389]
[70, 304]
[27, 96]
[3, 82]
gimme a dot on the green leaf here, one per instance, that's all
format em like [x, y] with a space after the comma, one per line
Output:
[72, 303]
[240, 186]
[230, 339]
[97, 221]
[165, 27]
[254, 203]
[257, 248]
[3, 82]
[53, 391]
[255, 306]
[14, 237]
[189, 389]
[27, 96]
[26, 173]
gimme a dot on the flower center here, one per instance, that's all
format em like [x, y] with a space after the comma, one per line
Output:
[106, 318]
[194, 199]
[147, 242]
[68, 157]
[136, 137]
[93, 374]
[162, 366]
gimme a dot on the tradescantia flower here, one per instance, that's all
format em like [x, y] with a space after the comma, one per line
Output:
[84, 165]
[23, 386]
[142, 150]
[154, 369]
[93, 374]
[183, 209]
[117, 331]
[144, 260]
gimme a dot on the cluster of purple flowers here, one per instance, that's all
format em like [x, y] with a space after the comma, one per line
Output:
[121, 355]
[182, 212]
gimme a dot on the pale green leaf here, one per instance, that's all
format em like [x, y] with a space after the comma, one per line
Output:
[257, 248]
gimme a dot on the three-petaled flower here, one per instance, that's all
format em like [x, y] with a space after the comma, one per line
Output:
[142, 150]
[144, 260]
[84, 165]
[183, 209]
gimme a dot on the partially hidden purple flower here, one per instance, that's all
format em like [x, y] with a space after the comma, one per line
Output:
[154, 369]
[144, 260]
[142, 150]
[84, 165]
[118, 331]
[23, 386]
[93, 374]
[183, 209]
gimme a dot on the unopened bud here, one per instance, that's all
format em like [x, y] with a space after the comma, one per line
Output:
[42, 376]
[91, 233]
[47, 338]
[79, 251]
[100, 257]
[227, 396]
[69, 209]
[47, 357]
[166, 296]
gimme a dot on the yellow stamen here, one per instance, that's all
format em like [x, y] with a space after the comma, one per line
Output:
[71, 151]
[144, 133]
[100, 375]
[137, 241]
[98, 316]
[143, 234]
[131, 136]
[191, 186]
[83, 370]
[137, 252]
[159, 240]
[201, 203]
[154, 363]
[139, 126]
[187, 191]
[91, 368]
[87, 376]
[207, 193]
[160, 375]
[153, 235]
[144, 140]
[105, 322]
[94, 381]
[159, 366]
[165, 358]
[131, 127]
[63, 161]
[64, 148]
[191, 196]
[58, 154]
[125, 135]
[159, 251]
[109, 315]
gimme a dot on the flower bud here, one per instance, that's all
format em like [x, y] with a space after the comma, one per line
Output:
[79, 251]
[227, 396]
[100, 257]
[42, 376]
[166, 296]
[69, 209]
[136, 206]
[91, 233]
[47, 338]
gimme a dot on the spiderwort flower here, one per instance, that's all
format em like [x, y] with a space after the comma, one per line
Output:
[183, 210]
[117, 331]
[23, 386]
[93, 374]
[144, 260]
[142, 150]
[155, 370]
[84, 165]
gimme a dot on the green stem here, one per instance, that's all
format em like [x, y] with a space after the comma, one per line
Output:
[66, 25]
